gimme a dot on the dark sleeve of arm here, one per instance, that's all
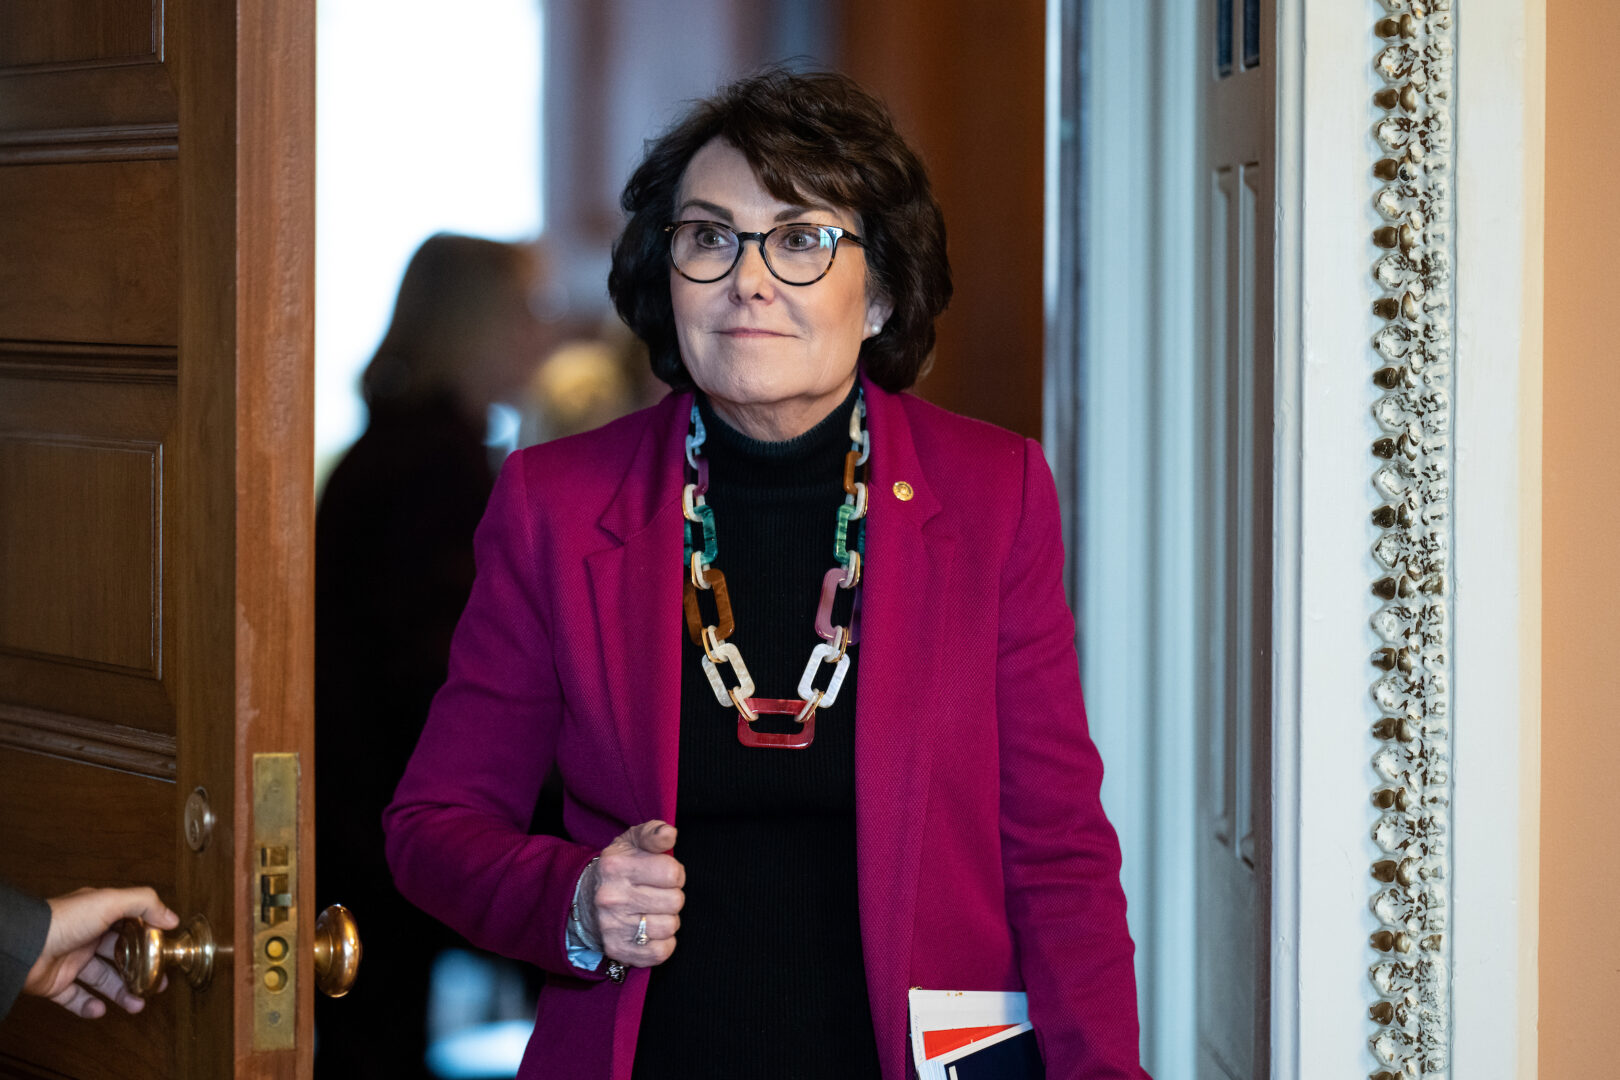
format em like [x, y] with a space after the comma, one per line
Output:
[24, 922]
[457, 830]
[1059, 852]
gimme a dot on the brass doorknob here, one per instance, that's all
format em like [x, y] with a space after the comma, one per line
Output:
[142, 952]
[337, 951]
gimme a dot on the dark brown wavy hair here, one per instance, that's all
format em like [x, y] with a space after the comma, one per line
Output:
[805, 134]
[453, 289]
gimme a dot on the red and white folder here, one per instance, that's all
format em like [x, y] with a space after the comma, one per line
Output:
[950, 1026]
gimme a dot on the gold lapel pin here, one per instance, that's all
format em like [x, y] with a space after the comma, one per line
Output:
[902, 491]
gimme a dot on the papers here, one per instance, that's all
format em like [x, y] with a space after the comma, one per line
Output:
[1012, 1055]
[973, 1034]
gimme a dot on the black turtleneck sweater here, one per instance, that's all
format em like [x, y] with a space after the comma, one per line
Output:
[767, 979]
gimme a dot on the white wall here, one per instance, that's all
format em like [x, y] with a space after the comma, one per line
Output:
[428, 120]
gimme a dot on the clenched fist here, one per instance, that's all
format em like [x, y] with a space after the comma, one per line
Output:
[635, 878]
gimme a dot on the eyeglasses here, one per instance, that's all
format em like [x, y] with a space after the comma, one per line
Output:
[796, 254]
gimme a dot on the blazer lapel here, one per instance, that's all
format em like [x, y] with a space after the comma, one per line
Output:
[899, 684]
[636, 593]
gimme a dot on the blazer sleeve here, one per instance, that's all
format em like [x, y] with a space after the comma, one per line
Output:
[24, 923]
[1060, 856]
[457, 830]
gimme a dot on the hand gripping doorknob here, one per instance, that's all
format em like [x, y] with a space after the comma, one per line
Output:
[144, 953]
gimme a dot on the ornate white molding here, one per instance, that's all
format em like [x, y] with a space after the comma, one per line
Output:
[1411, 970]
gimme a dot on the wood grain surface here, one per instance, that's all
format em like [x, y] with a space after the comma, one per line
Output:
[156, 484]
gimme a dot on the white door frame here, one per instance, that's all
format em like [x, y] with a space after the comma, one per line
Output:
[1322, 918]
[1127, 423]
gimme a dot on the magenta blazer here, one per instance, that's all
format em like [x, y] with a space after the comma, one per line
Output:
[985, 861]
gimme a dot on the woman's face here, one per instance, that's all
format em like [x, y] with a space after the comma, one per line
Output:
[773, 358]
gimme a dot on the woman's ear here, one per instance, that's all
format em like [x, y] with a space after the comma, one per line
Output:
[878, 310]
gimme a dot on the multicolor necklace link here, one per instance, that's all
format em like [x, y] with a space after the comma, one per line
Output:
[712, 636]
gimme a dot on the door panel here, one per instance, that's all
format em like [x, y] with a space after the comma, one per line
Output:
[121, 824]
[1234, 809]
[66, 32]
[156, 491]
[103, 235]
[85, 617]
[87, 726]
[106, 500]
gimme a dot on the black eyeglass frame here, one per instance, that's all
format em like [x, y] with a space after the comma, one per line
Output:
[838, 233]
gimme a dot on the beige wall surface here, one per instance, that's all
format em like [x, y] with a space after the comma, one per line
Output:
[1580, 779]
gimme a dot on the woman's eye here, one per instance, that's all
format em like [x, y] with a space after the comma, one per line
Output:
[801, 239]
[712, 238]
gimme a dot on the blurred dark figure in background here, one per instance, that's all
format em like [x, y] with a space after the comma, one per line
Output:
[394, 566]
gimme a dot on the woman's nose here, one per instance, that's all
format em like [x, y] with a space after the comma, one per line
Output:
[752, 277]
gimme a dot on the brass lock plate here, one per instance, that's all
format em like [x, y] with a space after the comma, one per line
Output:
[274, 890]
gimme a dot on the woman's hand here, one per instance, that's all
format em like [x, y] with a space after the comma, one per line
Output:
[637, 878]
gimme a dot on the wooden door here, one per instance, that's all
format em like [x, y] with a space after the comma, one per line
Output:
[1234, 808]
[156, 495]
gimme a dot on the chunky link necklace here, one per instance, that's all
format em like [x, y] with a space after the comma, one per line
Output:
[703, 578]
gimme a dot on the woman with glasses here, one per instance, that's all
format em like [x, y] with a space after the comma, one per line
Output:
[809, 619]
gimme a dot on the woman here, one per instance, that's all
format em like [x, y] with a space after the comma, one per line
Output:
[924, 812]
[394, 566]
